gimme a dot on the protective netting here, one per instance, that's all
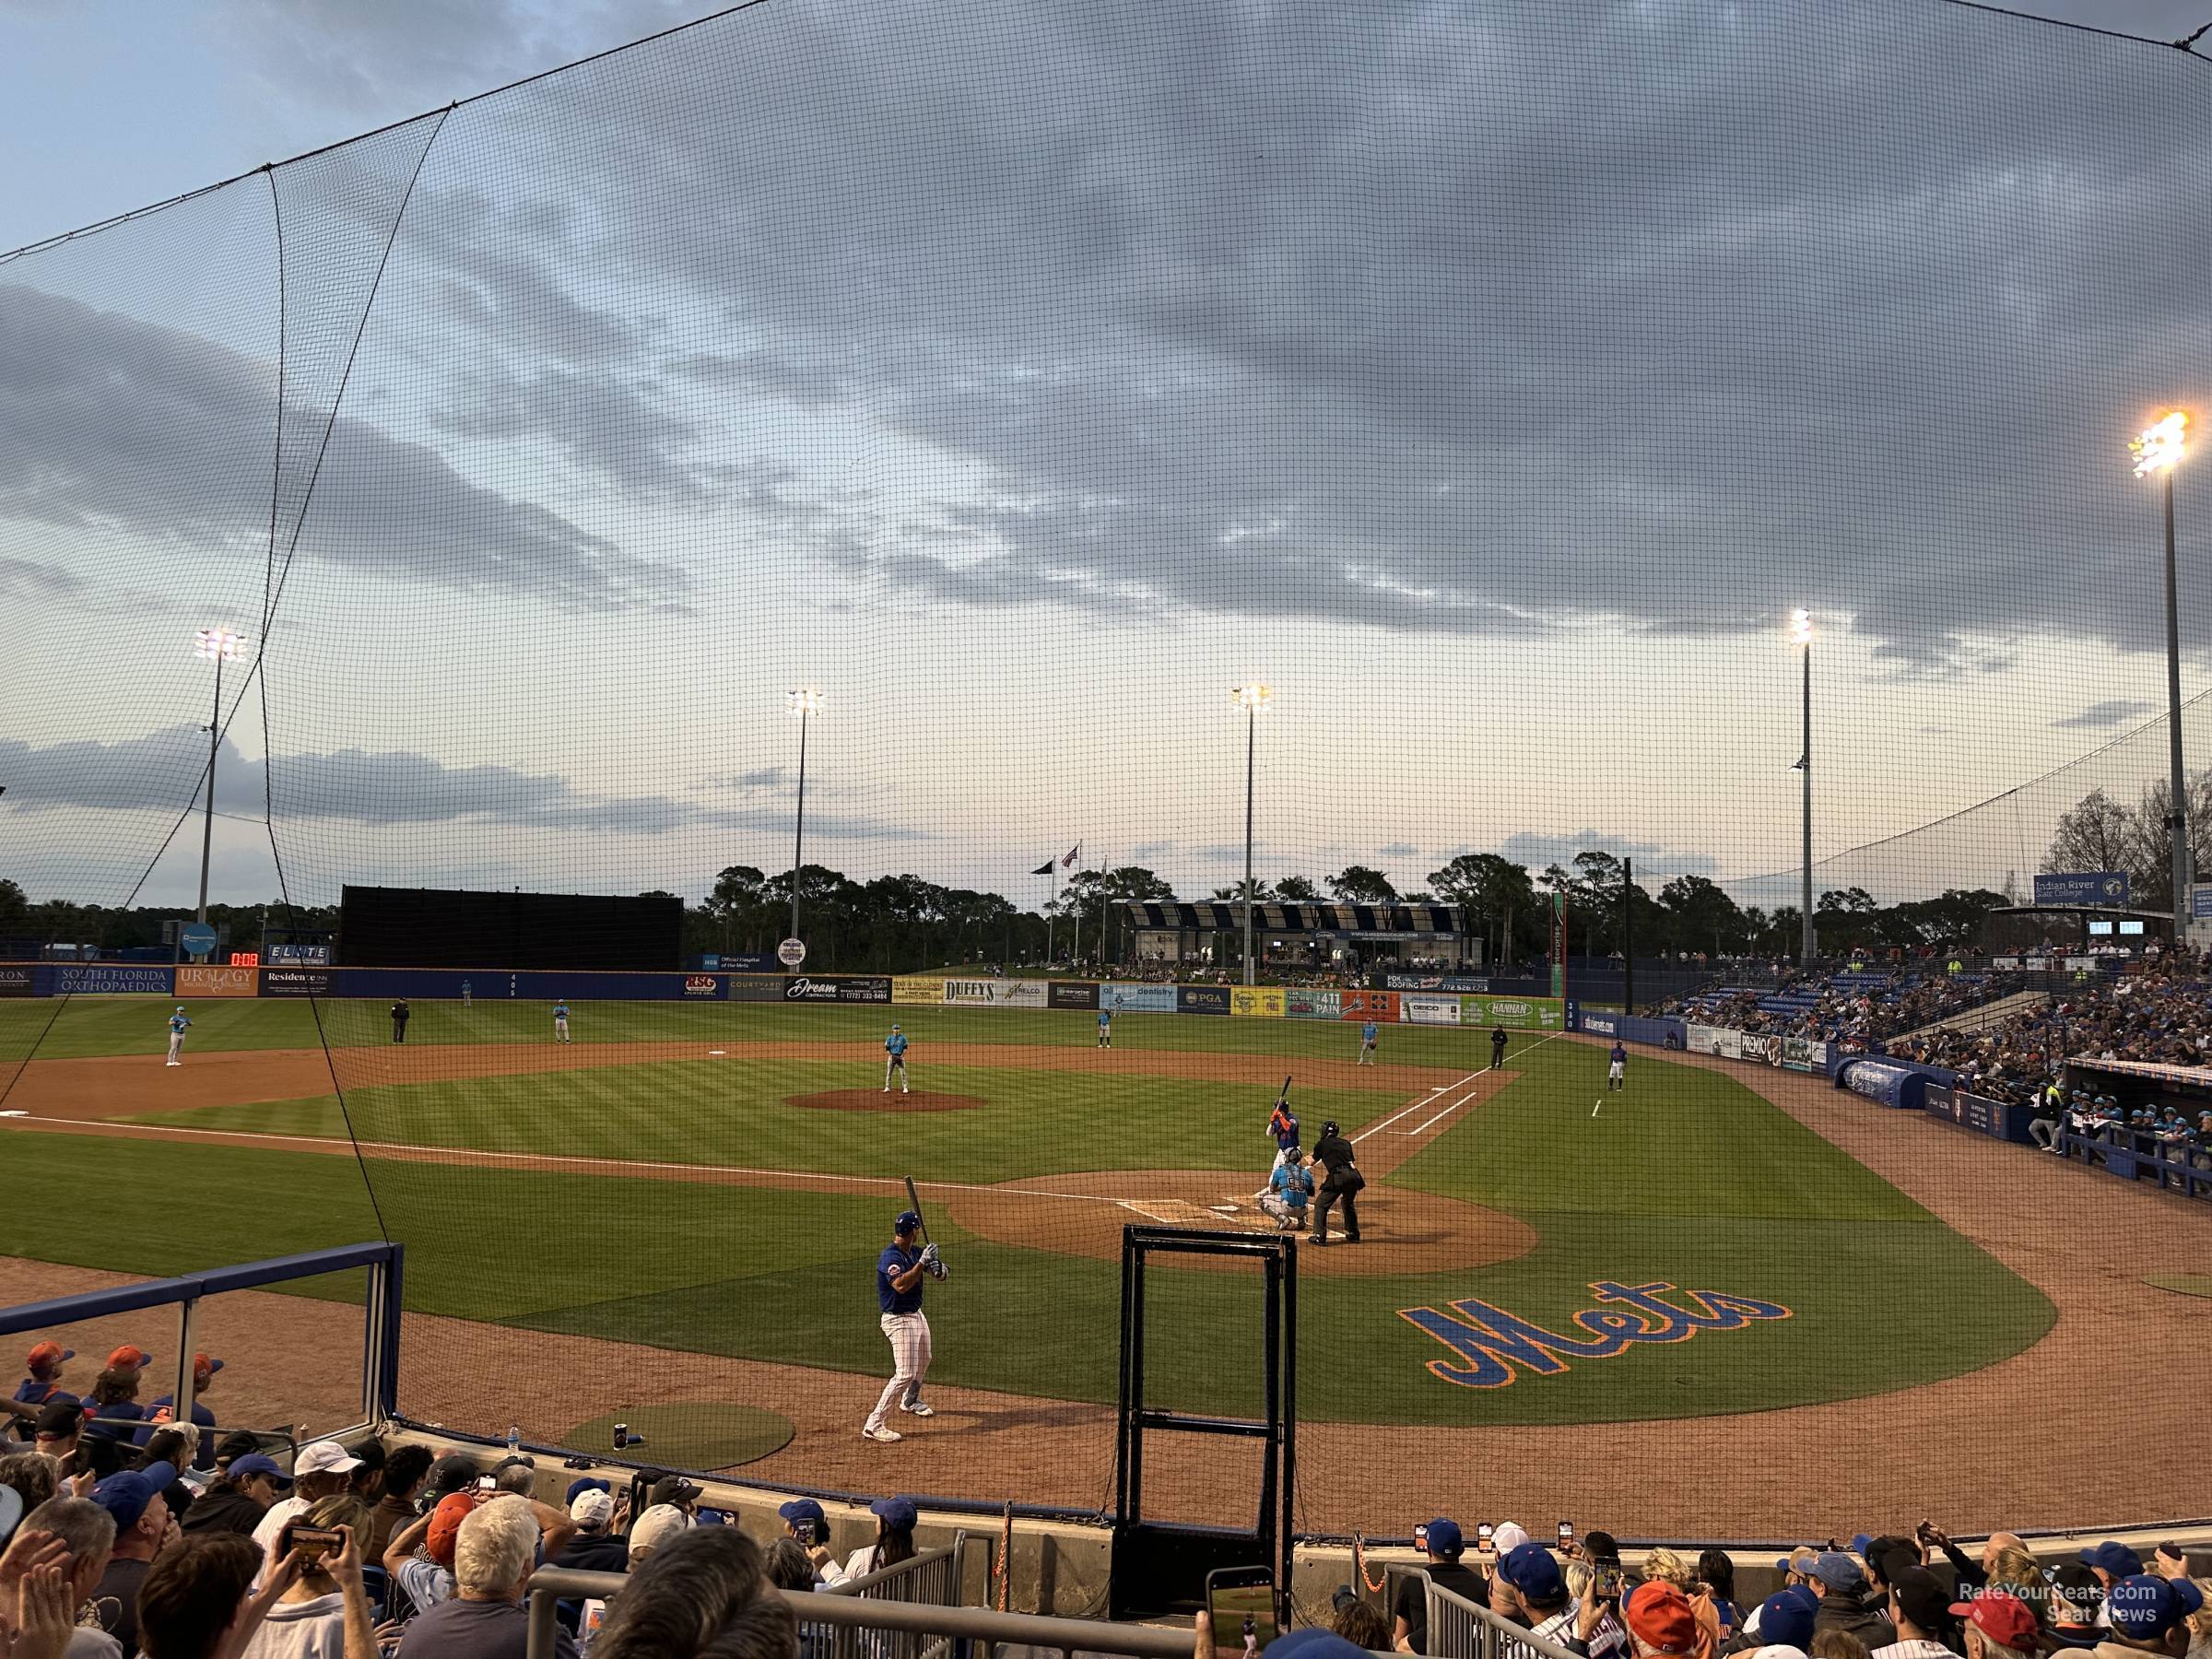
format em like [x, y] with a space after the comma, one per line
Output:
[1490, 381]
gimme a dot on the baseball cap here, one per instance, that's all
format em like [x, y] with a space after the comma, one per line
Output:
[898, 1513]
[656, 1527]
[1315, 1642]
[2143, 1604]
[204, 1368]
[127, 1358]
[1779, 1650]
[59, 1419]
[46, 1356]
[1442, 1537]
[451, 1472]
[253, 1462]
[907, 1221]
[2005, 1619]
[324, 1457]
[1859, 1542]
[127, 1494]
[1509, 1536]
[1342, 1596]
[1529, 1569]
[593, 1509]
[802, 1508]
[671, 1488]
[587, 1483]
[1659, 1617]
[2113, 1556]
[1921, 1598]
[445, 1526]
[1838, 1570]
[1786, 1618]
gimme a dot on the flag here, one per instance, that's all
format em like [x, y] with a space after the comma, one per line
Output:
[1070, 858]
[1043, 869]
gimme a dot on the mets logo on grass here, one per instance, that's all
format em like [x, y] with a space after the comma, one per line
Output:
[1487, 1343]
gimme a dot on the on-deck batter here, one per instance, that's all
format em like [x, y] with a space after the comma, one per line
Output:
[899, 1272]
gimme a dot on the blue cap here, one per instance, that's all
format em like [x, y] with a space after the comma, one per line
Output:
[586, 1485]
[1315, 1642]
[1785, 1618]
[899, 1514]
[907, 1222]
[1445, 1538]
[1859, 1542]
[126, 1496]
[2113, 1556]
[1529, 1569]
[253, 1462]
[802, 1508]
[1838, 1570]
[2143, 1604]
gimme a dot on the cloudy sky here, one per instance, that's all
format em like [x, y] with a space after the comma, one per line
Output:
[1490, 380]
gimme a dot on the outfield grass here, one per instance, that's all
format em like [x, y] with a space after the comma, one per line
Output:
[1689, 1178]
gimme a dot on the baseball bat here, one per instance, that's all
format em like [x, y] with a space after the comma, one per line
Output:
[913, 1202]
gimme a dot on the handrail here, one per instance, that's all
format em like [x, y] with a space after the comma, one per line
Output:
[1458, 1628]
[550, 1584]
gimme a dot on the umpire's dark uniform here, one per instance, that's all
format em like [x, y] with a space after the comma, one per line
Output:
[1340, 1180]
[399, 1021]
[1497, 1048]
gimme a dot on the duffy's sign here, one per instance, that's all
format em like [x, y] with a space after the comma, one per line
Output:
[1490, 1342]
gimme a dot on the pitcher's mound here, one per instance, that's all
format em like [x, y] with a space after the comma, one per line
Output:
[875, 1100]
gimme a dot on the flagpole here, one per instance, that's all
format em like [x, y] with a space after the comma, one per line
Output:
[1077, 953]
[1051, 897]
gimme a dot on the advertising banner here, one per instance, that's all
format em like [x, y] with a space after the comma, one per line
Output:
[17, 978]
[1435, 981]
[216, 981]
[1137, 999]
[1201, 999]
[1430, 1010]
[1071, 993]
[1596, 1022]
[1261, 1002]
[970, 993]
[295, 981]
[1381, 1006]
[1309, 1005]
[997, 992]
[703, 987]
[2004, 1121]
[294, 954]
[2106, 889]
[753, 987]
[1801, 1054]
[1716, 1039]
[1025, 994]
[101, 979]
[1517, 1013]
[907, 988]
[1887, 1083]
[837, 988]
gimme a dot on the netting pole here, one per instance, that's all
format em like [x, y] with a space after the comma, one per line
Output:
[2177, 819]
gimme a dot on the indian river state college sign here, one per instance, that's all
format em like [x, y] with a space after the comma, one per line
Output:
[1488, 1342]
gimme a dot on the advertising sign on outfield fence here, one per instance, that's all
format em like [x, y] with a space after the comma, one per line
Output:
[1430, 1010]
[1381, 1006]
[910, 988]
[1201, 999]
[1260, 1001]
[1137, 999]
[1514, 1012]
[1455, 982]
[1309, 1005]
[1072, 993]
[838, 988]
[754, 987]
[295, 981]
[997, 992]
[16, 980]
[101, 978]
[216, 981]
[2105, 889]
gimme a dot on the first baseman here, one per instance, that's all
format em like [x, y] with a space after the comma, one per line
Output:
[177, 1024]
[560, 1021]
[899, 1272]
[894, 1059]
[1367, 1045]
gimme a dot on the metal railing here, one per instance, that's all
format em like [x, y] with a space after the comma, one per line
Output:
[1460, 1630]
[860, 1620]
[929, 1578]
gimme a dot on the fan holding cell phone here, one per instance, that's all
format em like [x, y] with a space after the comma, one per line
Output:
[317, 1550]
[1441, 1541]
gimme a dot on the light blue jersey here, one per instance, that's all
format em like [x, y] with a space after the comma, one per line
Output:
[177, 1022]
[895, 1045]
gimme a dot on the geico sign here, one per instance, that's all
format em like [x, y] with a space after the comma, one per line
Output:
[809, 990]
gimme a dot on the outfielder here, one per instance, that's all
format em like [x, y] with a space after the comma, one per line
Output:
[899, 1272]
[1616, 1068]
[561, 1022]
[1105, 1027]
[894, 1060]
[177, 1024]
[1367, 1045]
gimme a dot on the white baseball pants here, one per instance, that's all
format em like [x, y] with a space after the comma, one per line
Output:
[176, 1044]
[895, 1063]
[909, 1335]
[560, 1029]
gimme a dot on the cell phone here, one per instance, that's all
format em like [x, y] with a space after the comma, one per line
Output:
[1484, 1534]
[1608, 1583]
[316, 1542]
[1420, 1535]
[488, 1483]
[1240, 1602]
[1566, 1535]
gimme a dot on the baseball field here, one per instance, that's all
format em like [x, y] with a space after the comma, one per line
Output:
[683, 1185]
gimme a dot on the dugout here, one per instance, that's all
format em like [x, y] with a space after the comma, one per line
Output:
[441, 927]
[1304, 937]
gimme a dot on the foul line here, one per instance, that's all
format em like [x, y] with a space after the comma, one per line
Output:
[1412, 1106]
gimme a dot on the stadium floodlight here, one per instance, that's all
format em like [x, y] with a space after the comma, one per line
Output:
[2159, 449]
[804, 705]
[1252, 699]
[1800, 637]
[216, 645]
